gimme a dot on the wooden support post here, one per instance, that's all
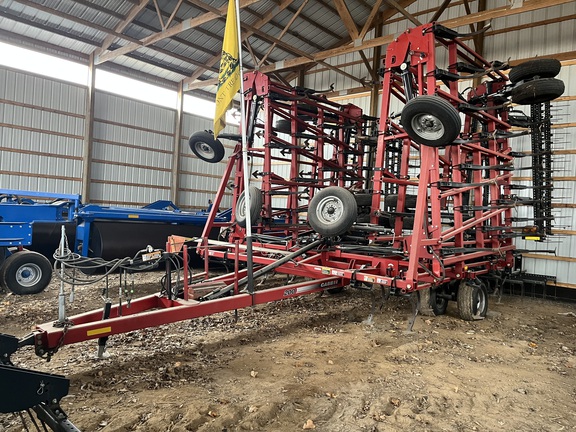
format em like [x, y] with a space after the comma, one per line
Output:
[88, 132]
[175, 178]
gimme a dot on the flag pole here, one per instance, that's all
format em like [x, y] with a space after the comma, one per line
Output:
[243, 127]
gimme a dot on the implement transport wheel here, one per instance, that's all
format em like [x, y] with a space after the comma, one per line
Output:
[206, 147]
[431, 121]
[26, 272]
[541, 68]
[537, 91]
[438, 303]
[431, 302]
[255, 206]
[332, 211]
[472, 300]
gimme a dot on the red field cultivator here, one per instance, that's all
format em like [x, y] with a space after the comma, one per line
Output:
[421, 200]
[416, 201]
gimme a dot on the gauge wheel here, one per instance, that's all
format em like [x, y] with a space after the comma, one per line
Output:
[255, 206]
[541, 68]
[472, 300]
[332, 211]
[206, 147]
[26, 272]
[438, 302]
[431, 121]
[432, 304]
[537, 91]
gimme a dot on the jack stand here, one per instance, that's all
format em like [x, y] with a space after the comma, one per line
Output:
[415, 301]
[102, 353]
[61, 294]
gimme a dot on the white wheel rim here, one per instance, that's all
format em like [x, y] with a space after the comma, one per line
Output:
[330, 209]
[28, 275]
[204, 150]
[241, 207]
[428, 126]
[480, 302]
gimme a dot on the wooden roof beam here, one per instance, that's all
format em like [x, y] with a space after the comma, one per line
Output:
[77, 20]
[404, 12]
[136, 9]
[370, 20]
[527, 6]
[216, 58]
[346, 18]
[440, 10]
[172, 31]
[282, 33]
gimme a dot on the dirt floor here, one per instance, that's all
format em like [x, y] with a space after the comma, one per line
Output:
[313, 363]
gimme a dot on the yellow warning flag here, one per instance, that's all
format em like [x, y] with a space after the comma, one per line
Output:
[229, 76]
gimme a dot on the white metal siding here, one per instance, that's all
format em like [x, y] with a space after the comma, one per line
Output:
[41, 133]
[199, 180]
[132, 151]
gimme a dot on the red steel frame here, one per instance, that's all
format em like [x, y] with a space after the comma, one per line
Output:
[329, 144]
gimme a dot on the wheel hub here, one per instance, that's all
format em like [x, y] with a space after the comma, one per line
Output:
[330, 209]
[204, 149]
[28, 275]
[428, 126]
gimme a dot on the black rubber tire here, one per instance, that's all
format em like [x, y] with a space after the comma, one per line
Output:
[363, 199]
[541, 68]
[392, 201]
[537, 91]
[332, 211]
[472, 300]
[431, 304]
[255, 207]
[285, 126]
[206, 147]
[26, 272]
[431, 121]
[438, 303]
[3, 256]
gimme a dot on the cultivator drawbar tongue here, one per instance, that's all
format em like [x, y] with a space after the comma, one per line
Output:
[416, 204]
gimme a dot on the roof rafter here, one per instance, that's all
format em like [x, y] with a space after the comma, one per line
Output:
[275, 10]
[346, 18]
[440, 10]
[279, 26]
[314, 23]
[369, 22]
[187, 24]
[527, 6]
[404, 12]
[282, 33]
[136, 9]
[77, 20]
[296, 51]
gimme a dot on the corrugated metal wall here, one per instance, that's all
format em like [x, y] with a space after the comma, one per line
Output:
[132, 151]
[42, 127]
[41, 133]
[200, 180]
